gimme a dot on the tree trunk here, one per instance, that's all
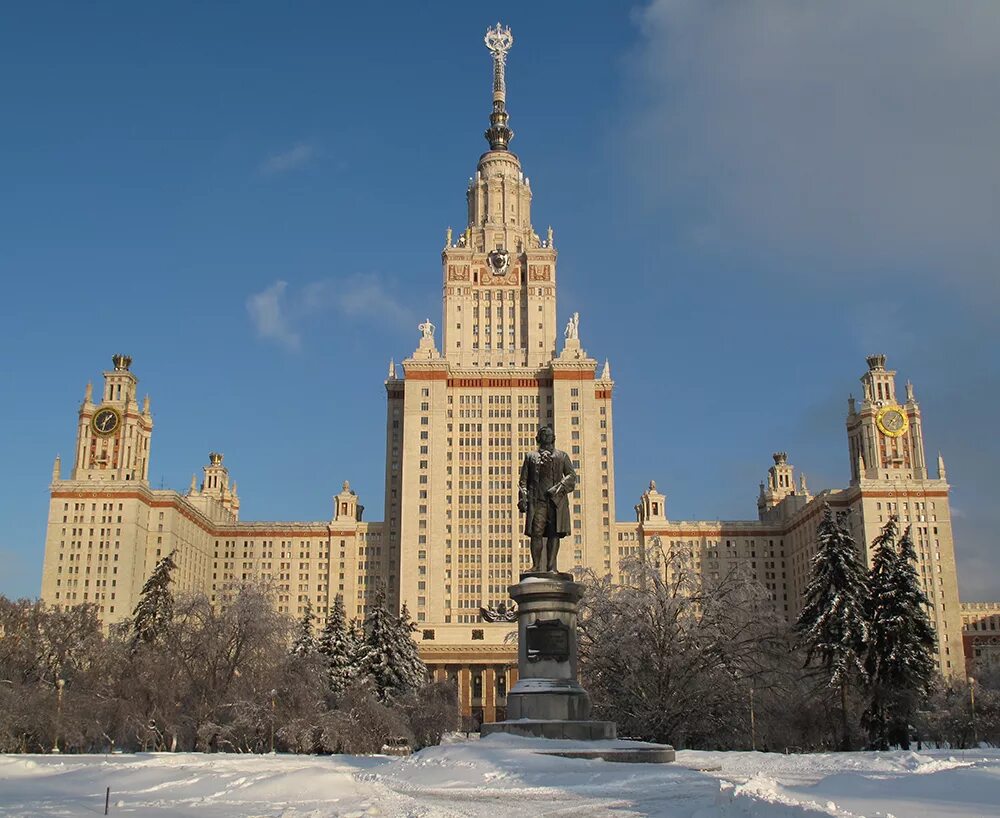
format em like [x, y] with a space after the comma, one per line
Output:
[845, 742]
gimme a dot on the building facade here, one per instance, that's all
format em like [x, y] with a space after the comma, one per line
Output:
[461, 413]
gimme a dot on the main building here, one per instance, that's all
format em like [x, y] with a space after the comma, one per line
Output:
[461, 412]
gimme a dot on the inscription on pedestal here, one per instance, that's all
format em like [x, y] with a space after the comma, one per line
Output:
[547, 639]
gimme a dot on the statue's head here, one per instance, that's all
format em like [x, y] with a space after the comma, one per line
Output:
[546, 438]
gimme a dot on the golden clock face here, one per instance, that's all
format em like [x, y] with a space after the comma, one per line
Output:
[892, 421]
[105, 421]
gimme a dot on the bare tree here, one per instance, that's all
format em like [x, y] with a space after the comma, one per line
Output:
[668, 654]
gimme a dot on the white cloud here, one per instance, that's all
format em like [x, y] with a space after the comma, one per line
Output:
[293, 158]
[854, 135]
[363, 297]
[268, 313]
[368, 296]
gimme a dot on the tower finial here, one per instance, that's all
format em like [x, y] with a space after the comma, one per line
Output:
[499, 40]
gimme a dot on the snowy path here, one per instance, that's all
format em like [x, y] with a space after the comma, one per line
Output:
[502, 776]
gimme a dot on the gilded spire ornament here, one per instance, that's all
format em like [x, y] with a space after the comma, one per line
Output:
[498, 40]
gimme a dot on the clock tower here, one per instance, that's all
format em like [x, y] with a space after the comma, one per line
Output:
[885, 438]
[112, 439]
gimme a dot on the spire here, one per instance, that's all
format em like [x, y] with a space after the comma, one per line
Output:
[802, 483]
[145, 405]
[861, 465]
[606, 373]
[88, 393]
[942, 473]
[194, 484]
[392, 369]
[57, 468]
[499, 40]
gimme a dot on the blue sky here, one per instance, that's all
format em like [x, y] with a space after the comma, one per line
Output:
[747, 198]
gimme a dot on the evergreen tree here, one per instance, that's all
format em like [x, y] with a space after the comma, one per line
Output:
[881, 583]
[336, 644]
[304, 643]
[832, 621]
[388, 654]
[155, 608]
[413, 668]
[901, 643]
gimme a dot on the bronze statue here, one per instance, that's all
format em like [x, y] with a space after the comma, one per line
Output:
[547, 478]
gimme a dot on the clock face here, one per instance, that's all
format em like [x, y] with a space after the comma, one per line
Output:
[498, 261]
[105, 421]
[891, 421]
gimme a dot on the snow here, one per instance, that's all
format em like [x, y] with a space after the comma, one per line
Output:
[505, 776]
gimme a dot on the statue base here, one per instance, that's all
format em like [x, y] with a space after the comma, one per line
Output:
[547, 701]
[560, 575]
[582, 730]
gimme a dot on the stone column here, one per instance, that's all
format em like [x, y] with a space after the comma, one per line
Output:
[465, 690]
[489, 694]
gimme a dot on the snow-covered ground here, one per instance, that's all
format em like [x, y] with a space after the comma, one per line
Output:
[504, 776]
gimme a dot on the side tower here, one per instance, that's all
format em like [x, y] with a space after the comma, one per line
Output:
[889, 476]
[885, 437]
[100, 518]
[107, 527]
[112, 441]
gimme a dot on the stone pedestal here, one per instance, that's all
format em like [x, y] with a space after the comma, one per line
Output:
[547, 700]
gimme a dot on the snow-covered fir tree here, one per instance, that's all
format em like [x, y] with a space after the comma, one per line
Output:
[832, 622]
[155, 607]
[388, 654]
[304, 643]
[901, 642]
[414, 668]
[337, 646]
[356, 631]
[880, 587]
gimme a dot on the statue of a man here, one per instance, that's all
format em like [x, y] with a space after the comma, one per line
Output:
[547, 478]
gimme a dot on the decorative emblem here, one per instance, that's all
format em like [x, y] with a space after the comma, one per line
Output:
[505, 611]
[498, 261]
[892, 421]
[498, 40]
[105, 421]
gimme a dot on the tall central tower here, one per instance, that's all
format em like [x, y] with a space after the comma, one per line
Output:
[499, 276]
[467, 404]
